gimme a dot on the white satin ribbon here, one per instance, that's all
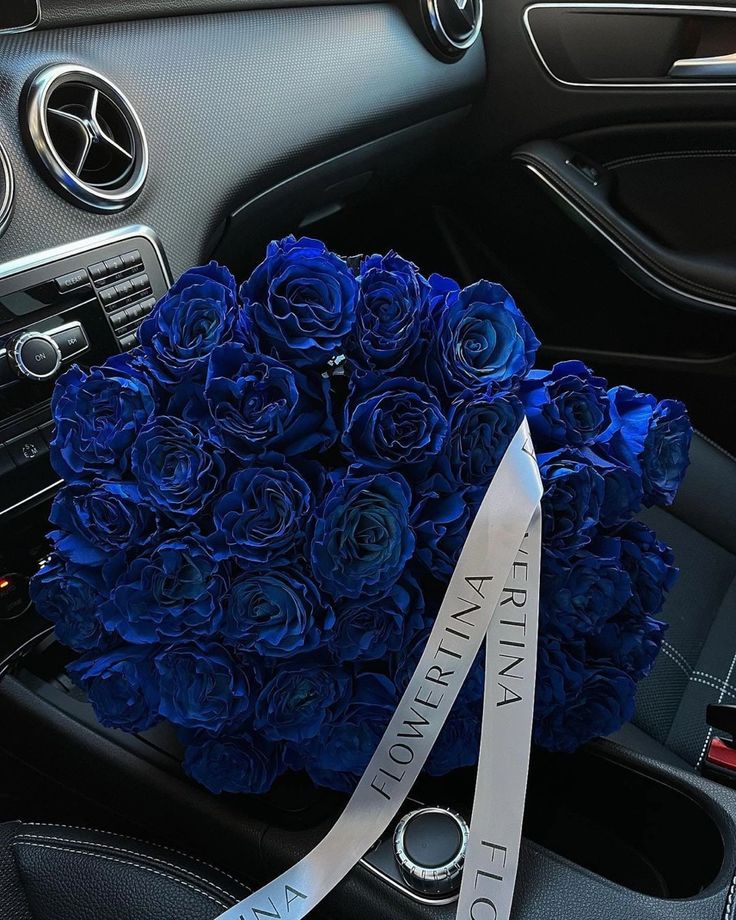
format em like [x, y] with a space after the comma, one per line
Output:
[498, 571]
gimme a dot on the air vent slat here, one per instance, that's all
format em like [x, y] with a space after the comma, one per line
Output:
[87, 136]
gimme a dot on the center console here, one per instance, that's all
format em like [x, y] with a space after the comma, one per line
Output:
[79, 303]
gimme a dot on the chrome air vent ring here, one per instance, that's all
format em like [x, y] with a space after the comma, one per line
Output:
[455, 24]
[7, 190]
[87, 136]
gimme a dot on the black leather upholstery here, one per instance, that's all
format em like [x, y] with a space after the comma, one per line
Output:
[54, 872]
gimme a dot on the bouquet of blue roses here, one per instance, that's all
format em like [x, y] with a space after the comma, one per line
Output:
[263, 502]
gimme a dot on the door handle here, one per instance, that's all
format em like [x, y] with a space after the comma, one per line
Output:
[705, 68]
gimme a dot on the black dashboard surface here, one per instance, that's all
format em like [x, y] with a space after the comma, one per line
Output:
[231, 103]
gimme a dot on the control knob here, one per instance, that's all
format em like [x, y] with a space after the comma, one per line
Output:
[34, 355]
[429, 847]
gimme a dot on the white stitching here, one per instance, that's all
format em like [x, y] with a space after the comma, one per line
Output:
[729, 900]
[107, 846]
[125, 862]
[720, 700]
[702, 677]
[674, 155]
[159, 846]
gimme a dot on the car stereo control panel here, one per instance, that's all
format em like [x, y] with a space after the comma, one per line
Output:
[79, 304]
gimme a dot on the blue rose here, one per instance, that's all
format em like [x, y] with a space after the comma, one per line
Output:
[98, 416]
[277, 614]
[573, 494]
[630, 642]
[172, 589]
[391, 314]
[299, 700]
[373, 629]
[261, 516]
[197, 314]
[481, 428]
[95, 522]
[300, 302]
[458, 743]
[203, 687]
[666, 452]
[177, 470]
[567, 406]
[630, 417]
[341, 752]
[242, 763]
[650, 566]
[442, 517]
[481, 341]
[622, 490]
[70, 597]
[560, 678]
[579, 593]
[604, 702]
[391, 422]
[261, 408]
[122, 686]
[189, 404]
[362, 539]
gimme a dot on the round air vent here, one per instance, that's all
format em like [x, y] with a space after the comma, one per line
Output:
[7, 190]
[455, 24]
[87, 135]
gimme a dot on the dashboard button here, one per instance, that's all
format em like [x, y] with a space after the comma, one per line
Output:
[129, 259]
[114, 266]
[128, 341]
[34, 355]
[124, 289]
[27, 447]
[108, 295]
[140, 282]
[72, 280]
[70, 341]
[97, 271]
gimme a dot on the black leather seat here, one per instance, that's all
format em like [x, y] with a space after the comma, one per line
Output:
[54, 872]
[697, 665]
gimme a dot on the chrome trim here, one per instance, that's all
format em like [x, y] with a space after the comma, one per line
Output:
[440, 32]
[15, 30]
[38, 92]
[86, 245]
[724, 65]
[435, 902]
[21, 650]
[664, 83]
[30, 498]
[624, 252]
[440, 879]
[14, 356]
[6, 207]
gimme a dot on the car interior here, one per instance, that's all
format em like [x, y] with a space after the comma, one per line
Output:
[582, 154]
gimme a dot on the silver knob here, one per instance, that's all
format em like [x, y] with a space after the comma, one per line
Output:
[34, 355]
[429, 846]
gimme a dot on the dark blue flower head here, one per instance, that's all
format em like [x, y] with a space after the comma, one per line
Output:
[197, 314]
[630, 642]
[481, 427]
[276, 615]
[296, 703]
[122, 686]
[666, 452]
[261, 516]
[567, 406]
[391, 314]
[481, 341]
[631, 415]
[172, 589]
[622, 490]
[650, 566]
[202, 686]
[189, 404]
[441, 516]
[70, 597]
[98, 416]
[177, 470]
[573, 495]
[262, 408]
[362, 539]
[99, 520]
[372, 629]
[300, 302]
[342, 750]
[579, 593]
[239, 763]
[391, 422]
